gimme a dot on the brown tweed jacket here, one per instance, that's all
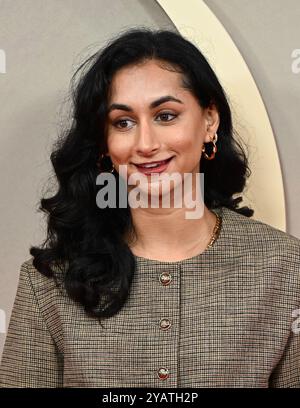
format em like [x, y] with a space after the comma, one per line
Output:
[225, 318]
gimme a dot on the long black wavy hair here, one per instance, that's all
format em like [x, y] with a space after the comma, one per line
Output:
[84, 248]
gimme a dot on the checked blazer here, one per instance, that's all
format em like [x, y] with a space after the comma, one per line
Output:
[228, 317]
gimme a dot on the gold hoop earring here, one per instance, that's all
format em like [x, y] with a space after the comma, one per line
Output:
[214, 150]
[99, 164]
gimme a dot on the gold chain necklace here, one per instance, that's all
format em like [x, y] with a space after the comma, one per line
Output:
[216, 231]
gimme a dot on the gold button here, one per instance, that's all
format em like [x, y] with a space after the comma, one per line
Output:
[163, 373]
[164, 324]
[165, 278]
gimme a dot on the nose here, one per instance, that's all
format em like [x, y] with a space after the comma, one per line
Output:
[147, 139]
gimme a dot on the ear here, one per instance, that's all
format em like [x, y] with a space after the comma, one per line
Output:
[212, 121]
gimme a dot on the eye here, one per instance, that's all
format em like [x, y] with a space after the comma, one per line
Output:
[122, 122]
[119, 124]
[165, 114]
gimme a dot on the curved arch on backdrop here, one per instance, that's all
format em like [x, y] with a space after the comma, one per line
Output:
[264, 191]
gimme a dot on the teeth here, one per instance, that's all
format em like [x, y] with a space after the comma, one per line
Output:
[151, 165]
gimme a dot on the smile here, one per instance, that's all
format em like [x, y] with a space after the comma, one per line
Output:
[154, 167]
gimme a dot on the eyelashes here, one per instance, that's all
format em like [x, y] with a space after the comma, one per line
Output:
[163, 114]
[168, 114]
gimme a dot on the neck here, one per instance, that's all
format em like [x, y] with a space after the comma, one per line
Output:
[166, 234]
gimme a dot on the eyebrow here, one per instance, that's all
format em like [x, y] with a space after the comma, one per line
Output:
[152, 105]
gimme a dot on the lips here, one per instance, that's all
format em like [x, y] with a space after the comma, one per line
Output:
[154, 167]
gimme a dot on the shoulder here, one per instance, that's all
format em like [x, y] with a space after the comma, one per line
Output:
[41, 285]
[263, 251]
[260, 244]
[257, 234]
[48, 293]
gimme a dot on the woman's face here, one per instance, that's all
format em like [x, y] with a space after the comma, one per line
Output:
[158, 120]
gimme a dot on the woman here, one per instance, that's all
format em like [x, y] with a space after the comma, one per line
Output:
[205, 301]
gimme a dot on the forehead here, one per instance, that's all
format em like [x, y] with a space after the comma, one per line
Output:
[149, 77]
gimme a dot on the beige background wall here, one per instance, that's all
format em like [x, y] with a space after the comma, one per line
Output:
[44, 39]
[266, 33]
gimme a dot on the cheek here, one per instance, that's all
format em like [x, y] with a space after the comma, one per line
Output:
[187, 142]
[188, 146]
[118, 149]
